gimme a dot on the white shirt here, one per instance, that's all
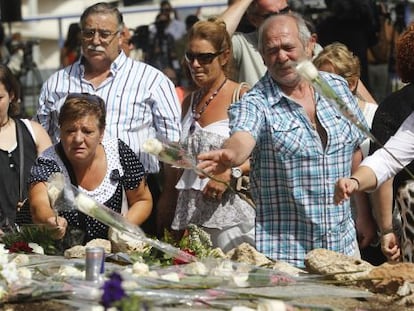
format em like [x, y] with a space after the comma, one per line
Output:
[401, 145]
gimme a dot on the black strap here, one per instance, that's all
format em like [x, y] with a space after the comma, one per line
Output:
[20, 144]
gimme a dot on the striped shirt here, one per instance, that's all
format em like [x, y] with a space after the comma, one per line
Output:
[293, 174]
[141, 103]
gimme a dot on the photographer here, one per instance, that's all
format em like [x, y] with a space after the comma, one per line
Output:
[12, 52]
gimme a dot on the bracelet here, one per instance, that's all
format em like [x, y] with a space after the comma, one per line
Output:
[387, 231]
[357, 181]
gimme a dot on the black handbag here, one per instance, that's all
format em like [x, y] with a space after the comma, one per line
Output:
[23, 215]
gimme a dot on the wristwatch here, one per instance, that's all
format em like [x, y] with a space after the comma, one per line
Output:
[236, 172]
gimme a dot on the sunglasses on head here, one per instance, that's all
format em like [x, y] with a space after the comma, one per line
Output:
[267, 15]
[202, 58]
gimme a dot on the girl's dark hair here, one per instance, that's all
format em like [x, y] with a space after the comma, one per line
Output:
[13, 89]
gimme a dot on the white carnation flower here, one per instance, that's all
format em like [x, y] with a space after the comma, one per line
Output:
[70, 271]
[21, 259]
[271, 305]
[85, 203]
[37, 248]
[172, 276]
[196, 268]
[140, 268]
[4, 258]
[9, 272]
[152, 146]
[24, 274]
[3, 249]
[240, 279]
[224, 269]
[307, 69]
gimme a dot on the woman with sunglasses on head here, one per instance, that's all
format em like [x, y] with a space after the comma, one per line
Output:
[15, 147]
[107, 170]
[205, 202]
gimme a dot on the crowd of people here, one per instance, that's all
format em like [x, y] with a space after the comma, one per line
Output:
[227, 90]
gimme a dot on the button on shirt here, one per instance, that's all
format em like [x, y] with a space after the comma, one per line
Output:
[293, 175]
[141, 103]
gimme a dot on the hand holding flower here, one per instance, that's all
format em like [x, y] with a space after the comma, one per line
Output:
[58, 223]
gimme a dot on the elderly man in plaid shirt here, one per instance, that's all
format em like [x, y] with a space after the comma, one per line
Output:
[299, 145]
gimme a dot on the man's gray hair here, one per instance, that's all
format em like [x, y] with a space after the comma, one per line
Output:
[102, 8]
[304, 33]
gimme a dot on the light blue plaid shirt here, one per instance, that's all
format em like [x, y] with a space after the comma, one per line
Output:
[293, 175]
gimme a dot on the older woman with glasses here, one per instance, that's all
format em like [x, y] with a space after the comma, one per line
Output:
[205, 202]
[105, 169]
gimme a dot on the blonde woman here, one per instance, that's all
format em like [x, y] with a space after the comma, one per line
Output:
[207, 203]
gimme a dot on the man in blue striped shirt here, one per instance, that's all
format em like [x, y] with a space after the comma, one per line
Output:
[299, 143]
[141, 101]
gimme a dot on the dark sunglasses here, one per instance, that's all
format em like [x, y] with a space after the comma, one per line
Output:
[202, 58]
[267, 15]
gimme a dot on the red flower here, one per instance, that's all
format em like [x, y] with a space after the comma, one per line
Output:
[179, 261]
[20, 247]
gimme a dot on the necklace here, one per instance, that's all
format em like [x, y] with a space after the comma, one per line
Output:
[5, 123]
[197, 115]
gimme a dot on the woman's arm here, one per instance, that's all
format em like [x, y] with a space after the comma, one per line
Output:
[382, 202]
[41, 211]
[42, 137]
[140, 203]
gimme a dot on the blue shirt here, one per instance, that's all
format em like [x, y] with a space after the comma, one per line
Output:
[293, 174]
[141, 103]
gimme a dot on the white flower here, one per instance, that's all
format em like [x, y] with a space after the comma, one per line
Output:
[69, 271]
[224, 269]
[271, 305]
[240, 279]
[9, 272]
[21, 259]
[25, 275]
[85, 203]
[172, 276]
[36, 248]
[140, 268]
[307, 70]
[152, 146]
[4, 258]
[3, 250]
[195, 268]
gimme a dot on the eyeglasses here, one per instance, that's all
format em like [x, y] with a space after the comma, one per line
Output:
[267, 15]
[202, 58]
[104, 35]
